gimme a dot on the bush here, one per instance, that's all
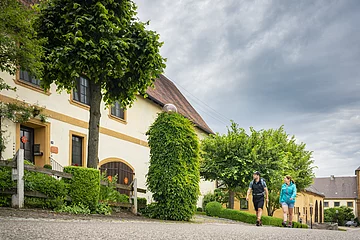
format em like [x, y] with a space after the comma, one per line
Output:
[173, 175]
[74, 209]
[34, 202]
[213, 209]
[199, 209]
[344, 214]
[84, 186]
[6, 184]
[103, 208]
[48, 166]
[219, 195]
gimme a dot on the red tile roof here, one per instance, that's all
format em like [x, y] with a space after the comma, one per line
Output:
[165, 92]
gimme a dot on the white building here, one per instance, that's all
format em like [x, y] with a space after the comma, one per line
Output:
[62, 139]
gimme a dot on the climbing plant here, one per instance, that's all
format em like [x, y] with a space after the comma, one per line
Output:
[173, 175]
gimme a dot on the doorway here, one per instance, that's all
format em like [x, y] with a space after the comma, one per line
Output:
[27, 142]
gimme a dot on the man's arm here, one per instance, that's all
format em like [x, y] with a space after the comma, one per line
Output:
[267, 194]
[248, 193]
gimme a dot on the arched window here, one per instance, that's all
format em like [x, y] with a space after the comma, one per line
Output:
[316, 212]
[117, 167]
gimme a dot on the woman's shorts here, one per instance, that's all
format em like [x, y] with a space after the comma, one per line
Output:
[289, 205]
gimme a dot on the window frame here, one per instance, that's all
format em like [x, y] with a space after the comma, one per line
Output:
[326, 204]
[28, 84]
[336, 203]
[116, 118]
[351, 203]
[83, 150]
[77, 93]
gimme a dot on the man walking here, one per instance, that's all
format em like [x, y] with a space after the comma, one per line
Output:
[259, 190]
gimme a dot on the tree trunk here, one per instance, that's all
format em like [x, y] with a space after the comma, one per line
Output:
[231, 199]
[270, 210]
[94, 125]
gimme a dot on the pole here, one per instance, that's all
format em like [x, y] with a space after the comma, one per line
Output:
[18, 176]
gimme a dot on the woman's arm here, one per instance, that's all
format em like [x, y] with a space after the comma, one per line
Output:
[293, 196]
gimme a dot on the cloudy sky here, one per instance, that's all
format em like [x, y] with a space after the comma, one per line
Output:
[267, 64]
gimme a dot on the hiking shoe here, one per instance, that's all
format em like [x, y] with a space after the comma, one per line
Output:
[258, 223]
[290, 225]
[284, 224]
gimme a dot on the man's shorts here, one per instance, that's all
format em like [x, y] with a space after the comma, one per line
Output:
[258, 202]
[289, 205]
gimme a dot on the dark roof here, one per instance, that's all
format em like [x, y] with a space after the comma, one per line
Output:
[358, 169]
[313, 190]
[165, 92]
[337, 187]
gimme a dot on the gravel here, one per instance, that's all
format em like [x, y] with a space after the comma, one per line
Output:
[203, 228]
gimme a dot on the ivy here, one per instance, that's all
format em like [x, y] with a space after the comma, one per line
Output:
[173, 175]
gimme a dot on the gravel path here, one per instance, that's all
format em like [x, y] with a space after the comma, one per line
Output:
[30, 228]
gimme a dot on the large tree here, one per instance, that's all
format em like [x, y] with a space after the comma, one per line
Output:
[225, 158]
[19, 45]
[232, 158]
[103, 41]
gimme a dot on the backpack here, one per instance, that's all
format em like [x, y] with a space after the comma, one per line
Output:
[261, 184]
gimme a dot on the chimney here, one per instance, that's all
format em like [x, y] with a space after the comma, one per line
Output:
[332, 177]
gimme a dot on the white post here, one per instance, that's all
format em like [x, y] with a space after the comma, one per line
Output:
[18, 176]
[135, 196]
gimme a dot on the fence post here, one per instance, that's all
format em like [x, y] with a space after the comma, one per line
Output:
[135, 197]
[18, 176]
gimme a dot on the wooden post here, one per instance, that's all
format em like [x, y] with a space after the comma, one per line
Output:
[18, 176]
[135, 196]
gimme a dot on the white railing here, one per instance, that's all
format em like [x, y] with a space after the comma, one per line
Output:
[55, 165]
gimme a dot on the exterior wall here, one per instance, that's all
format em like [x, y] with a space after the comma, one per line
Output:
[303, 201]
[123, 140]
[357, 172]
[343, 202]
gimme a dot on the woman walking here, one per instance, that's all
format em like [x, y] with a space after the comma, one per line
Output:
[287, 199]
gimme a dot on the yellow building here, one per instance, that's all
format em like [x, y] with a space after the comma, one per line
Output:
[304, 201]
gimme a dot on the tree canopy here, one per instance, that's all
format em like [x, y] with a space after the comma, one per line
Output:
[19, 44]
[104, 42]
[232, 158]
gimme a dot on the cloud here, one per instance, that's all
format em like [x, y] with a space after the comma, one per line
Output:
[268, 63]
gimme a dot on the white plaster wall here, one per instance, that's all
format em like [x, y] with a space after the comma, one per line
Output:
[139, 118]
[10, 138]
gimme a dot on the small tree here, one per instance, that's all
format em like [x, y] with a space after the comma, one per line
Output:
[173, 175]
[104, 42]
[225, 158]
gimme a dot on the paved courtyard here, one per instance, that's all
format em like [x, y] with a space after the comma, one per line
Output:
[30, 228]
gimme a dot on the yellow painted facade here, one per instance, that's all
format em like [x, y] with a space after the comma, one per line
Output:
[304, 200]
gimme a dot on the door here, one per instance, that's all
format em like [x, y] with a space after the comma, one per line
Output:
[124, 173]
[27, 142]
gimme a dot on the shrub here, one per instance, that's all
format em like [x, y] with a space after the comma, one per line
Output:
[213, 209]
[344, 214]
[199, 209]
[74, 209]
[6, 184]
[34, 202]
[84, 186]
[48, 166]
[173, 175]
[219, 195]
[103, 208]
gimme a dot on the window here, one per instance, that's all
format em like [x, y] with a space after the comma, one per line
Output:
[336, 204]
[297, 210]
[77, 151]
[244, 205]
[350, 204]
[25, 77]
[118, 111]
[326, 204]
[82, 91]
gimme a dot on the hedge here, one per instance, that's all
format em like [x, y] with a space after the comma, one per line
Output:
[84, 187]
[215, 209]
[173, 175]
